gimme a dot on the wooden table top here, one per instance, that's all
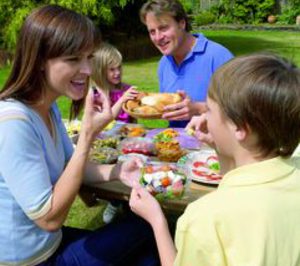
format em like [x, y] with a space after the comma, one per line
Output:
[117, 190]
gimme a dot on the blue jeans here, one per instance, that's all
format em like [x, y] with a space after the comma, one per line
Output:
[128, 242]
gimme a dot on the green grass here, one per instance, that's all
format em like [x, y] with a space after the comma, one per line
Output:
[244, 42]
[143, 73]
[81, 216]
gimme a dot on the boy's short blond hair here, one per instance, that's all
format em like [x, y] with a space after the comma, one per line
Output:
[262, 91]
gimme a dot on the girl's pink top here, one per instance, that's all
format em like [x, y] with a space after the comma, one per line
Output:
[115, 95]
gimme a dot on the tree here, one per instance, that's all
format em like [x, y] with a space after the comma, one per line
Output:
[13, 13]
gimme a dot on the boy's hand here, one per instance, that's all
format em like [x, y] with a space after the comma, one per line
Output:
[145, 205]
[198, 125]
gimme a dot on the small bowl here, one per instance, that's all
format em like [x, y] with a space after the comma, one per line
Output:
[137, 145]
[163, 180]
[104, 155]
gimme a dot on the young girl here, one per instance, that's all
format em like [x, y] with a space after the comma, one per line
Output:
[40, 173]
[107, 74]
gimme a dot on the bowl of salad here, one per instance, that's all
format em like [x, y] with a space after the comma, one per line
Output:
[163, 180]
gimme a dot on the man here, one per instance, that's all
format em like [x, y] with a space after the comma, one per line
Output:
[188, 61]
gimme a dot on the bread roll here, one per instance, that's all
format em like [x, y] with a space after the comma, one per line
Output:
[145, 109]
[166, 98]
[131, 104]
[151, 104]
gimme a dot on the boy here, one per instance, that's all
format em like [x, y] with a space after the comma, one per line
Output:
[253, 122]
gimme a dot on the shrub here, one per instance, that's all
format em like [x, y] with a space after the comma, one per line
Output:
[289, 14]
[188, 6]
[243, 11]
[204, 18]
[265, 9]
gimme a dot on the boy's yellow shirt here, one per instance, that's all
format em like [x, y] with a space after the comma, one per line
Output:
[252, 219]
[297, 151]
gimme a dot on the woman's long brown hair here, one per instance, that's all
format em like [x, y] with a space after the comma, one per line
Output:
[48, 32]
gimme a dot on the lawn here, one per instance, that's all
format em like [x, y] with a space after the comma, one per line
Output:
[142, 73]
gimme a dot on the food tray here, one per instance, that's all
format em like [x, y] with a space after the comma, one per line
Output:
[138, 115]
[185, 140]
[137, 145]
[104, 155]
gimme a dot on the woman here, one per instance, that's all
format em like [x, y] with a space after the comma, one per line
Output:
[40, 174]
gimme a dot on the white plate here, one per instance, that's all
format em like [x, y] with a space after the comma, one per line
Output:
[204, 158]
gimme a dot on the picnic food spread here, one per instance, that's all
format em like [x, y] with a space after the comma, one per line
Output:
[163, 152]
[132, 130]
[163, 180]
[104, 150]
[150, 105]
[168, 148]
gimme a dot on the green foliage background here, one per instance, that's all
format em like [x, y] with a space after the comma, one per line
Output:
[104, 13]
[13, 13]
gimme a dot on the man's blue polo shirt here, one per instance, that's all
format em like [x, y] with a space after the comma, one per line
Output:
[194, 73]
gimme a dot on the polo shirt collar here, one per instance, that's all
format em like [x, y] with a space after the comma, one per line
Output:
[201, 43]
[259, 173]
[199, 47]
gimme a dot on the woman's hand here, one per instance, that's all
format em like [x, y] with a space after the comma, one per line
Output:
[145, 205]
[97, 112]
[130, 171]
[198, 125]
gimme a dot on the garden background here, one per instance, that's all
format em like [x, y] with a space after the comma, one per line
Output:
[241, 26]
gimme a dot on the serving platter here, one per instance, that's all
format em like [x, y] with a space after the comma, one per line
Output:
[150, 105]
[185, 140]
[141, 115]
[203, 167]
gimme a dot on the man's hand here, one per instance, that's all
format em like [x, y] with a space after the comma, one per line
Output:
[183, 110]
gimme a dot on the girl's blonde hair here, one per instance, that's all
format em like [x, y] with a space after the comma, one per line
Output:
[107, 55]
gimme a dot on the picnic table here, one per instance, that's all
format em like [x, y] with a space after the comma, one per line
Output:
[115, 190]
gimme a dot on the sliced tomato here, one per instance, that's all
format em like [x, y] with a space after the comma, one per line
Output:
[199, 173]
[214, 177]
[165, 182]
[198, 164]
[212, 157]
